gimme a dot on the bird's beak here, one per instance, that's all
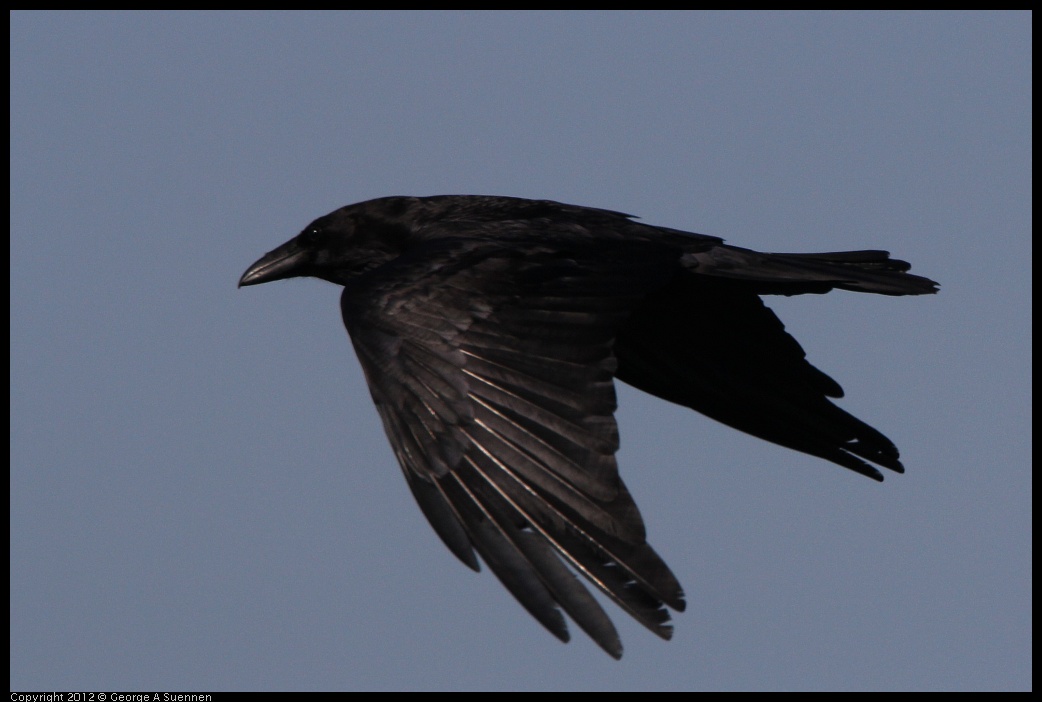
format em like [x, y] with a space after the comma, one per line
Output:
[288, 261]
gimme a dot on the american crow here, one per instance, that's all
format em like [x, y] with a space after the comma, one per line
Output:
[490, 330]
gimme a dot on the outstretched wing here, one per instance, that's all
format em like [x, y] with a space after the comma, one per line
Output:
[710, 343]
[493, 372]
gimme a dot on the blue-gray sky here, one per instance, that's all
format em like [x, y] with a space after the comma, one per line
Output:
[202, 497]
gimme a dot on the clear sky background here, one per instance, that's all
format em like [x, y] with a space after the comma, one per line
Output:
[202, 497]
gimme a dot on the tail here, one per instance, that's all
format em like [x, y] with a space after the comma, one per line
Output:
[798, 273]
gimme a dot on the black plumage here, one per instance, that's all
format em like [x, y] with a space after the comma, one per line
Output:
[491, 330]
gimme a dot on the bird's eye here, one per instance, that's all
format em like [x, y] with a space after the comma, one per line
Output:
[310, 235]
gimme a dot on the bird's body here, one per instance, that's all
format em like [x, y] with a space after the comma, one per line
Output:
[490, 330]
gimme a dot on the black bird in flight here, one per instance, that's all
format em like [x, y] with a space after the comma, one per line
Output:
[491, 330]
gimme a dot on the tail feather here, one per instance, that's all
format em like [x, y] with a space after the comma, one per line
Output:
[797, 273]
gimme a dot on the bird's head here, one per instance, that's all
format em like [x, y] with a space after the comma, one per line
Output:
[341, 245]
